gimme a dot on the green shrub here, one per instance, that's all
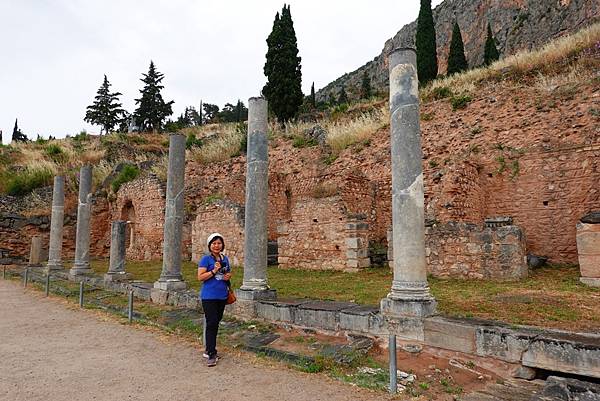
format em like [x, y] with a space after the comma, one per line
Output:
[460, 101]
[81, 137]
[129, 173]
[192, 141]
[303, 142]
[23, 182]
[441, 92]
[55, 152]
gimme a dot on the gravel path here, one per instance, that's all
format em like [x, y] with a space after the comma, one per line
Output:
[51, 350]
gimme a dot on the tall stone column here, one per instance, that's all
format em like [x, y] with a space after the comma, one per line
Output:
[35, 253]
[116, 267]
[56, 225]
[255, 285]
[82, 238]
[170, 277]
[410, 294]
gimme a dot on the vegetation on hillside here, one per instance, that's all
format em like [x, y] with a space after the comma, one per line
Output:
[427, 66]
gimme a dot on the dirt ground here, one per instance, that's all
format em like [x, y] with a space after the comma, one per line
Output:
[52, 350]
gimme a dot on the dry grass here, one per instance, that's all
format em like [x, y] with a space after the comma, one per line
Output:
[160, 168]
[543, 60]
[223, 145]
[341, 134]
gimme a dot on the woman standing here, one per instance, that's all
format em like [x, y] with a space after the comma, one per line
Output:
[214, 271]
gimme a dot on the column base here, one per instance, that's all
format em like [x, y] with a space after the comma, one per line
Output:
[80, 269]
[117, 277]
[53, 265]
[404, 308]
[256, 295]
[170, 285]
[591, 281]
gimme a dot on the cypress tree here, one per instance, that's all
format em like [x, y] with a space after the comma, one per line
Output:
[343, 96]
[365, 88]
[106, 111]
[282, 68]
[17, 135]
[313, 99]
[457, 61]
[491, 53]
[427, 65]
[152, 109]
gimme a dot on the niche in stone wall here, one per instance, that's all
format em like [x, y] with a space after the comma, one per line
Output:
[128, 214]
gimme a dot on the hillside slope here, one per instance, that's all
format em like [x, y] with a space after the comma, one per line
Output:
[517, 25]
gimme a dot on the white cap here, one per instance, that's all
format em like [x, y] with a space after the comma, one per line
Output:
[212, 237]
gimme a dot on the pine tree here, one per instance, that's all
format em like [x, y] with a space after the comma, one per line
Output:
[17, 135]
[365, 88]
[282, 68]
[106, 111]
[427, 65]
[343, 96]
[491, 53]
[457, 61]
[313, 98]
[152, 109]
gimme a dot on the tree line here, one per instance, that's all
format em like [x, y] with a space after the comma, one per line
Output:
[427, 65]
[283, 88]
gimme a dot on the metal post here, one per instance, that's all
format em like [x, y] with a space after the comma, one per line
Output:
[130, 307]
[393, 366]
[81, 294]
[47, 284]
[26, 277]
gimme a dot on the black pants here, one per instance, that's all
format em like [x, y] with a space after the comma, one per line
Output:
[213, 313]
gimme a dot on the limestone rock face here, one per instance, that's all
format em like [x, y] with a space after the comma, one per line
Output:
[516, 24]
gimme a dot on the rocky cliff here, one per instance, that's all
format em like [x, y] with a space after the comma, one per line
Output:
[516, 24]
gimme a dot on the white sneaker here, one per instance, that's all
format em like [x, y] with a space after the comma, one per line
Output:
[205, 355]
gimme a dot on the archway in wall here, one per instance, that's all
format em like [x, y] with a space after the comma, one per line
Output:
[128, 214]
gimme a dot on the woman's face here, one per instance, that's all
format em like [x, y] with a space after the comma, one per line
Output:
[216, 246]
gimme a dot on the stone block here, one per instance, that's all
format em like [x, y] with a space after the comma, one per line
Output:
[353, 243]
[574, 354]
[501, 343]
[277, 311]
[170, 285]
[450, 334]
[321, 315]
[364, 262]
[159, 296]
[358, 319]
[525, 373]
[352, 263]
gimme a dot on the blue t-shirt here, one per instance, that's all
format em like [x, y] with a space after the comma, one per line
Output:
[215, 287]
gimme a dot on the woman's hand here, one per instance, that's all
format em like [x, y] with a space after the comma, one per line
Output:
[217, 266]
[227, 276]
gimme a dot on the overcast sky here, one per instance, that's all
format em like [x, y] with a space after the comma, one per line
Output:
[54, 52]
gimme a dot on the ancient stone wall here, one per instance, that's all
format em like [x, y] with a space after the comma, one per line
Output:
[142, 203]
[475, 251]
[226, 218]
[551, 192]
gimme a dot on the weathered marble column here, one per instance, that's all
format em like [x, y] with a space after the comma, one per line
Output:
[116, 267]
[170, 277]
[255, 285]
[35, 253]
[56, 225]
[410, 294]
[82, 238]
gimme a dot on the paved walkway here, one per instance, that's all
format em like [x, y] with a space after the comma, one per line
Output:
[51, 350]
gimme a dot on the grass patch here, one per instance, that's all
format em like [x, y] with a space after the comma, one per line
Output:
[550, 297]
[128, 173]
[23, 182]
[223, 145]
[460, 101]
[341, 135]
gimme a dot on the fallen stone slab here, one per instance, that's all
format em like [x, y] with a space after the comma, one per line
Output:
[567, 389]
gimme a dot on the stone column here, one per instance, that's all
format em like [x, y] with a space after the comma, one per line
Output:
[56, 225]
[82, 238]
[170, 277]
[35, 253]
[116, 267]
[409, 296]
[257, 190]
